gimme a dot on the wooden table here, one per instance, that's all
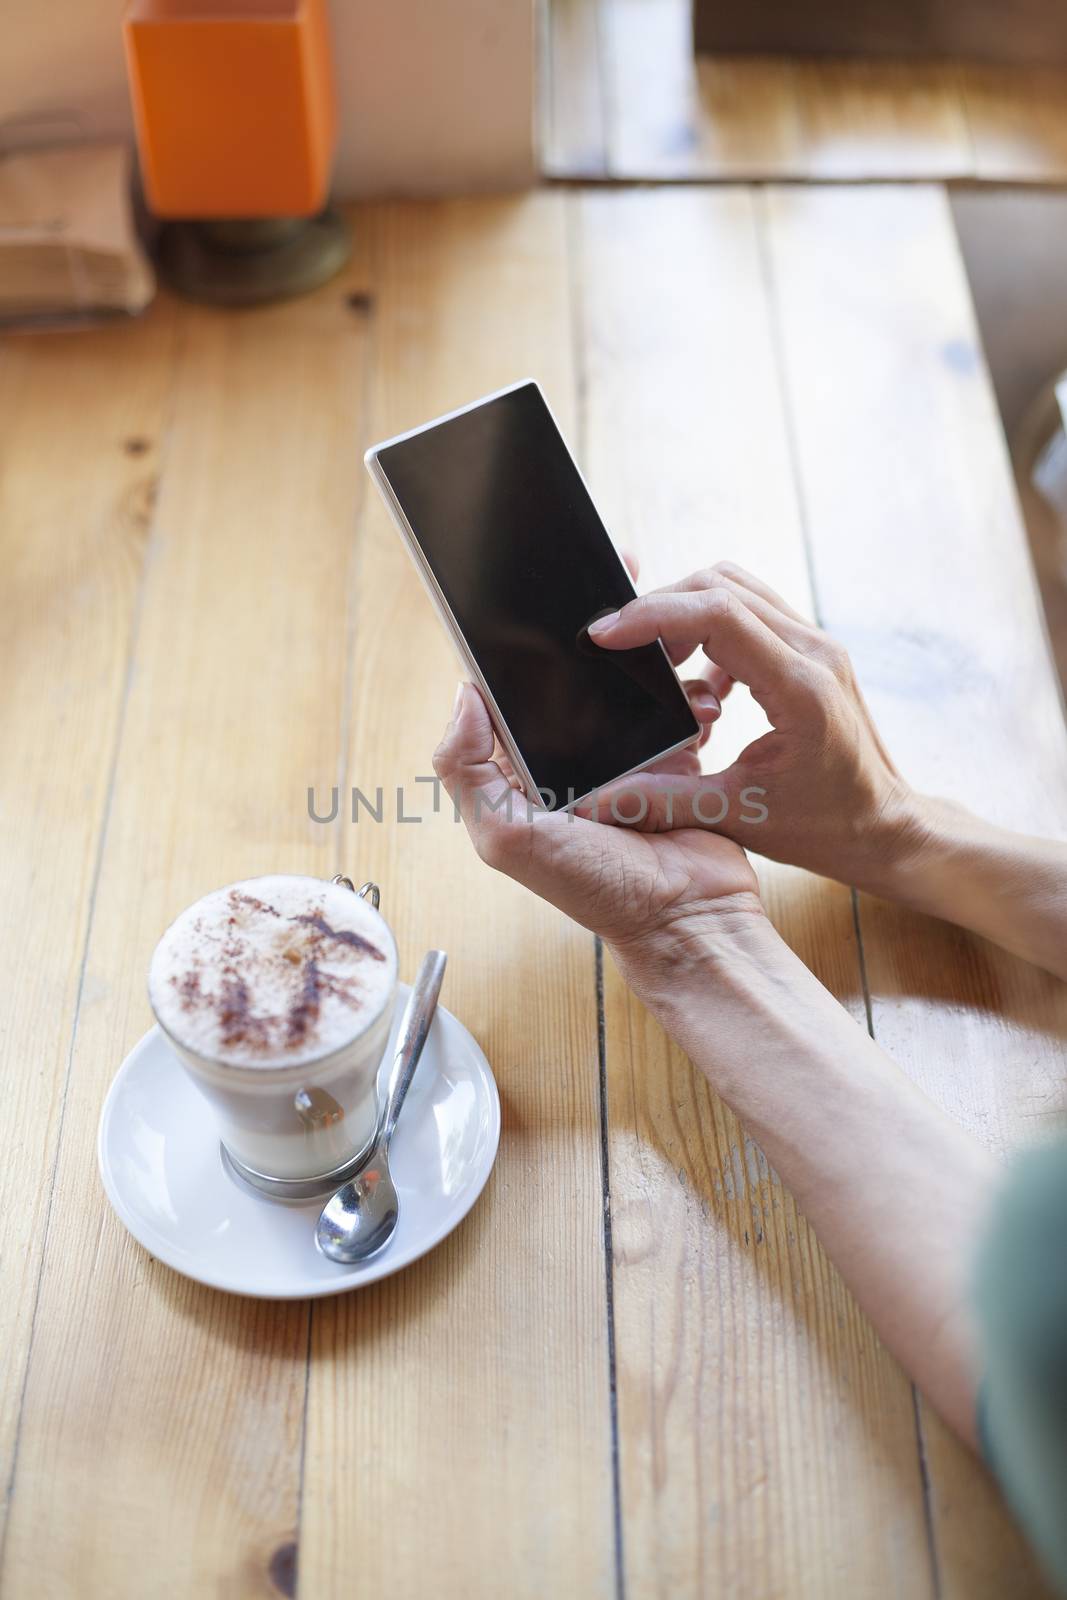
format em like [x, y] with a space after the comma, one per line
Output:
[631, 1371]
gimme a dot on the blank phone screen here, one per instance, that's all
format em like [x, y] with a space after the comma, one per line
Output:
[514, 541]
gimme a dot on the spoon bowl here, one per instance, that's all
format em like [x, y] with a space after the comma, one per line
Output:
[361, 1217]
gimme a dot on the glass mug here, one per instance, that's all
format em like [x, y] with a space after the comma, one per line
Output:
[292, 1128]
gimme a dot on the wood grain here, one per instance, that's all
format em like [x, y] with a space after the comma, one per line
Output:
[78, 462]
[921, 568]
[1018, 123]
[762, 1429]
[458, 1433]
[1017, 31]
[159, 1451]
[877, 120]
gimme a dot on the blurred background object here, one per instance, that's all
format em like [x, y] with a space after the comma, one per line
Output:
[233, 105]
[1014, 246]
[69, 250]
[236, 125]
[1039, 450]
[433, 96]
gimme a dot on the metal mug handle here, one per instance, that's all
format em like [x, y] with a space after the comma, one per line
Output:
[367, 891]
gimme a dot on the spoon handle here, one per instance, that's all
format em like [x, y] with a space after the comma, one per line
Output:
[414, 1027]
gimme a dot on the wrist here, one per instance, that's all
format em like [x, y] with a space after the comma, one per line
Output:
[688, 945]
[907, 837]
[727, 988]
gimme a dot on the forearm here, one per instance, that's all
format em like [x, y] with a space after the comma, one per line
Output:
[896, 1192]
[1009, 887]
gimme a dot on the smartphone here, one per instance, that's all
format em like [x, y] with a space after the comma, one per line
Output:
[497, 517]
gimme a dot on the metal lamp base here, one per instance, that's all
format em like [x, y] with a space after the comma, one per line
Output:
[251, 262]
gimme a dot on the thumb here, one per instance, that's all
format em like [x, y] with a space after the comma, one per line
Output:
[464, 763]
[659, 802]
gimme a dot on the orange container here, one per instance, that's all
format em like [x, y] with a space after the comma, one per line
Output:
[234, 105]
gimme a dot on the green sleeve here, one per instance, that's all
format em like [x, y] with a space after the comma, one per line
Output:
[1021, 1299]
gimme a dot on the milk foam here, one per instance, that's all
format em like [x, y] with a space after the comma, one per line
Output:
[272, 971]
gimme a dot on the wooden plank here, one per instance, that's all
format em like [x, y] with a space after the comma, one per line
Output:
[875, 120]
[71, 544]
[1018, 122]
[160, 1442]
[573, 110]
[767, 1442]
[721, 118]
[921, 568]
[473, 1389]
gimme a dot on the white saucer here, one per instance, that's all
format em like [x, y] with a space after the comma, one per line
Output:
[162, 1167]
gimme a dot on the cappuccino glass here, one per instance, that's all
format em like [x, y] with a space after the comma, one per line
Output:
[276, 994]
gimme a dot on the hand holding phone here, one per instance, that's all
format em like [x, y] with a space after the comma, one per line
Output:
[500, 523]
[646, 894]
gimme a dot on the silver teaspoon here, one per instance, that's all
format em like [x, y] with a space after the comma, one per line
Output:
[360, 1218]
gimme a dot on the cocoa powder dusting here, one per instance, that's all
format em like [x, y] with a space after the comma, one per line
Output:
[355, 940]
[188, 988]
[303, 993]
[304, 1009]
[237, 1023]
[237, 898]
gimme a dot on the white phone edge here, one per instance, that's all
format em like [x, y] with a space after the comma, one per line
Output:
[447, 617]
